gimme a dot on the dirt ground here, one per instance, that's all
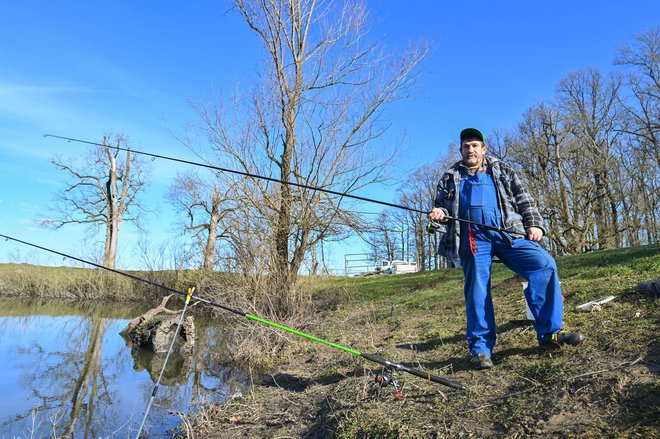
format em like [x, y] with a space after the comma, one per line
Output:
[607, 387]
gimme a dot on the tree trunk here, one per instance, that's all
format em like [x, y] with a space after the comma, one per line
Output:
[115, 201]
[212, 238]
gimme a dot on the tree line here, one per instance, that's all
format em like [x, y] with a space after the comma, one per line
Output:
[591, 156]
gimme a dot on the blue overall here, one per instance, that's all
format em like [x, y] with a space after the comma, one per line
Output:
[478, 202]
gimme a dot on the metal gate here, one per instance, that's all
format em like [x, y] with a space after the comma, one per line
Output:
[357, 263]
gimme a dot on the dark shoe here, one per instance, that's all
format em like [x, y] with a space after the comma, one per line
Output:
[481, 361]
[564, 338]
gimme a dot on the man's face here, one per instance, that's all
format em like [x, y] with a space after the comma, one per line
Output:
[473, 151]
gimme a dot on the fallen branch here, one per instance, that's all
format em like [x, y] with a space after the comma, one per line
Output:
[151, 314]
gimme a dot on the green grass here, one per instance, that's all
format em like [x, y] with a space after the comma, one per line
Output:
[589, 391]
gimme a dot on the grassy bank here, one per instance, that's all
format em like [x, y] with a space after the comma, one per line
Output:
[607, 387]
[34, 281]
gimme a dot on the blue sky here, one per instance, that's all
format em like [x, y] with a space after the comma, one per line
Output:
[81, 68]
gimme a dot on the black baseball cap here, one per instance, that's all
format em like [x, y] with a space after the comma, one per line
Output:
[471, 133]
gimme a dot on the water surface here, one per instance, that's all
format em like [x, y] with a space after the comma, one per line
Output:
[66, 371]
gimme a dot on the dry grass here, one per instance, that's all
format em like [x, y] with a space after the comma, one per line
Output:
[608, 387]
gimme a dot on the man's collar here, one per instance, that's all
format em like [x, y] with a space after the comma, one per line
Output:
[481, 169]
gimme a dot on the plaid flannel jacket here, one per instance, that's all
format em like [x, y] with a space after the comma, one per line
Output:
[517, 206]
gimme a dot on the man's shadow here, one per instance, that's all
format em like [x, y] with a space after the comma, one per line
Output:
[462, 363]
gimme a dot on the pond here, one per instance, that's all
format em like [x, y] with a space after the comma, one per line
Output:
[66, 371]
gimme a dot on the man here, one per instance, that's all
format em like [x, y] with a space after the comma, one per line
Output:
[485, 190]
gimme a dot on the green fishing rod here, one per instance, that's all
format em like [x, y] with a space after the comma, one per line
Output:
[370, 357]
[289, 183]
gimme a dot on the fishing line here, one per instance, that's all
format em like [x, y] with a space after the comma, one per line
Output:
[167, 357]
[277, 180]
[370, 357]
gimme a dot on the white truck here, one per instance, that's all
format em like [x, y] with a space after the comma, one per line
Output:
[384, 266]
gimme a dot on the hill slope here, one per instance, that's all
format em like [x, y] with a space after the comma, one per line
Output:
[607, 387]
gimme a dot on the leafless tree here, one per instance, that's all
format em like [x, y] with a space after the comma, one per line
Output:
[418, 192]
[313, 119]
[432, 178]
[596, 186]
[641, 147]
[396, 232]
[590, 156]
[202, 204]
[553, 162]
[588, 101]
[643, 80]
[385, 237]
[101, 192]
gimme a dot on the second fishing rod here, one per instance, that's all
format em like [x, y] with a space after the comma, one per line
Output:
[289, 183]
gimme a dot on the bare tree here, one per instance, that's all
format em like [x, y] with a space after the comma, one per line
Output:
[102, 192]
[385, 237]
[451, 156]
[203, 206]
[312, 120]
[589, 102]
[641, 126]
[643, 81]
[418, 192]
[405, 233]
[553, 163]
[591, 155]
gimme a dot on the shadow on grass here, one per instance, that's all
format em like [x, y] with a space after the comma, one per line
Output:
[286, 381]
[431, 344]
[460, 337]
[292, 383]
[462, 363]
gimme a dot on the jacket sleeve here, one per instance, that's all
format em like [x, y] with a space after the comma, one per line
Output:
[525, 203]
[443, 193]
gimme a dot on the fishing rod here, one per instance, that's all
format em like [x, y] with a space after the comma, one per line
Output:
[366, 356]
[167, 357]
[290, 183]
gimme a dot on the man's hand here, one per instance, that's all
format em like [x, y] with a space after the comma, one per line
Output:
[437, 214]
[534, 234]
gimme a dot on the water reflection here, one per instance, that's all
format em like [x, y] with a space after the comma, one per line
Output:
[176, 370]
[67, 372]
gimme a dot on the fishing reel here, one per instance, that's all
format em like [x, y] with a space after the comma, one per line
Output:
[433, 227]
[384, 381]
